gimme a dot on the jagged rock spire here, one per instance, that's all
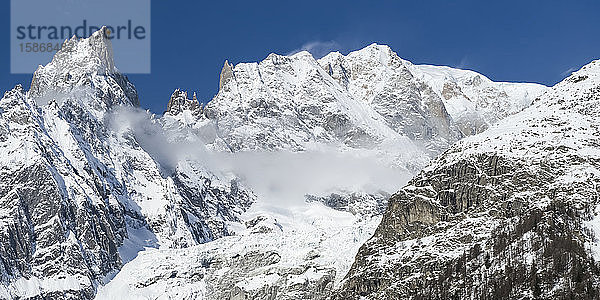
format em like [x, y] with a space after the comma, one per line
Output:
[180, 102]
[226, 74]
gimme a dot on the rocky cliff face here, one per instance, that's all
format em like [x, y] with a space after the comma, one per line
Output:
[80, 195]
[507, 214]
[61, 229]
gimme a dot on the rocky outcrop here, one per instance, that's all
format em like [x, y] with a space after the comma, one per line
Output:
[179, 103]
[507, 214]
[357, 203]
[226, 74]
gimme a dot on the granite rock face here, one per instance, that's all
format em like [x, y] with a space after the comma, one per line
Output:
[511, 213]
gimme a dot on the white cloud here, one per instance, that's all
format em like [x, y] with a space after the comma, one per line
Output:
[279, 178]
[285, 177]
[463, 64]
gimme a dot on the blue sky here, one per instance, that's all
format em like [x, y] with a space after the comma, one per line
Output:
[534, 41]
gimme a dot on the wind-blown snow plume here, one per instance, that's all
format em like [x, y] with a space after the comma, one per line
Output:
[318, 49]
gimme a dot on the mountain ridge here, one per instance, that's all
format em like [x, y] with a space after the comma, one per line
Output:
[96, 192]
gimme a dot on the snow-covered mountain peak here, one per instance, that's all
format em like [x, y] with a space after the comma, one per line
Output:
[332, 56]
[99, 48]
[433, 106]
[303, 55]
[375, 49]
[471, 99]
[296, 65]
[84, 56]
[381, 56]
[293, 94]
[84, 66]
[588, 75]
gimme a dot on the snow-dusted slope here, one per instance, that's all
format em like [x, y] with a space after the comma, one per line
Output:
[474, 101]
[300, 256]
[511, 213]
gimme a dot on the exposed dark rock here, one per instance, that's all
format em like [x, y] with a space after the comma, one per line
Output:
[502, 215]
